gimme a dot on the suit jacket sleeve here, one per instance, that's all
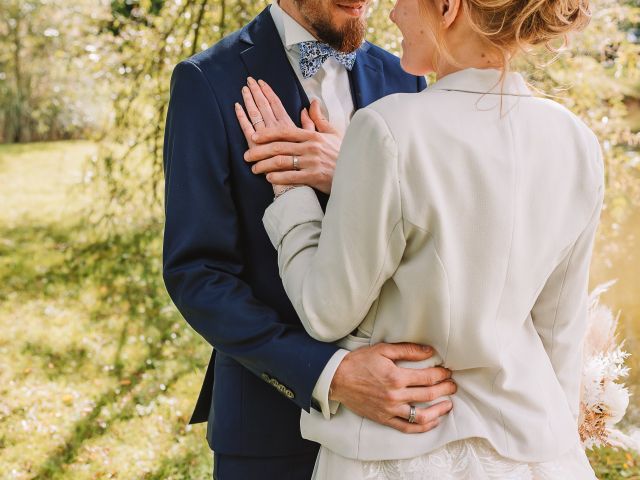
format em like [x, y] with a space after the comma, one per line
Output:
[560, 311]
[333, 266]
[203, 263]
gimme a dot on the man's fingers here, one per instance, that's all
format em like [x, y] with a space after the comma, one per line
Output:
[429, 394]
[261, 102]
[406, 427]
[274, 149]
[276, 105]
[245, 123]
[405, 351]
[427, 415]
[424, 377]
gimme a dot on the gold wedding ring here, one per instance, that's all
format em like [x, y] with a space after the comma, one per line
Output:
[296, 162]
[412, 414]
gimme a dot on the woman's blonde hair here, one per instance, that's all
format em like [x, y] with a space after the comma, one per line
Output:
[508, 26]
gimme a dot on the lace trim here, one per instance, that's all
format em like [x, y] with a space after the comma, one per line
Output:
[472, 459]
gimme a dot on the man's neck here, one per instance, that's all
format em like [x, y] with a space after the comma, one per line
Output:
[291, 8]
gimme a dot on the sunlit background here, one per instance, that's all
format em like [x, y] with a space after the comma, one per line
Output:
[98, 372]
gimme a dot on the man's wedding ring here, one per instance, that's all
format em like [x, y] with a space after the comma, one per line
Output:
[296, 162]
[257, 122]
[412, 414]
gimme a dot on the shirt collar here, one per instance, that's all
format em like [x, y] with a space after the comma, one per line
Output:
[487, 81]
[290, 31]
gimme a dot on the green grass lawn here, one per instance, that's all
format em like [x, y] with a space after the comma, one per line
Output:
[99, 373]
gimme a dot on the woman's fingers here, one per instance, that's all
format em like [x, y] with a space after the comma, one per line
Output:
[245, 123]
[255, 117]
[277, 164]
[276, 105]
[286, 134]
[290, 177]
[275, 149]
[321, 123]
[307, 123]
[263, 105]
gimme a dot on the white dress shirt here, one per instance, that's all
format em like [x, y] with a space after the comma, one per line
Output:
[331, 87]
[462, 217]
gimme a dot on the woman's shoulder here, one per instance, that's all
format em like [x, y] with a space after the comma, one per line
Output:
[399, 110]
[561, 120]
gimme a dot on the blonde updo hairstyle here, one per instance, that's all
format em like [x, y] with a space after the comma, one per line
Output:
[509, 26]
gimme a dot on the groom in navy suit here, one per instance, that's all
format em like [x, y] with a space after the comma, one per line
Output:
[219, 266]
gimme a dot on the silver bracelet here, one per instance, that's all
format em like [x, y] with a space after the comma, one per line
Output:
[285, 190]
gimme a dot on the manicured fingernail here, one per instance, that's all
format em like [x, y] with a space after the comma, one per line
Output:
[269, 177]
[427, 348]
[245, 89]
[246, 156]
[253, 169]
[251, 80]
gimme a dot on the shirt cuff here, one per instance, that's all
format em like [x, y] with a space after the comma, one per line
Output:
[321, 391]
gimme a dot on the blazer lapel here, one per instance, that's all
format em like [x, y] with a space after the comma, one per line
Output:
[367, 78]
[266, 59]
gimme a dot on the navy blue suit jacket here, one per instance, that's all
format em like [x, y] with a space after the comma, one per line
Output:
[219, 266]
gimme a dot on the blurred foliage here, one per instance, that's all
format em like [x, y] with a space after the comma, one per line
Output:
[48, 87]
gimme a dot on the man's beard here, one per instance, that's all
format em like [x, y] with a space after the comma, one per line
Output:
[346, 39]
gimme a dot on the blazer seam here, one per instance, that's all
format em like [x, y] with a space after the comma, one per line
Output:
[368, 302]
[564, 278]
[217, 104]
[449, 289]
[508, 267]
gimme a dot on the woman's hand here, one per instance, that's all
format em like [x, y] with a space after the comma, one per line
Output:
[288, 155]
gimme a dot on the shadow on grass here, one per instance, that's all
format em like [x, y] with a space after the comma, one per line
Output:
[87, 428]
[123, 272]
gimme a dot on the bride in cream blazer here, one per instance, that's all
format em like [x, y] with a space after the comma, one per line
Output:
[462, 217]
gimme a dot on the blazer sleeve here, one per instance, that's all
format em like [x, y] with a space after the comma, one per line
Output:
[560, 311]
[203, 262]
[333, 266]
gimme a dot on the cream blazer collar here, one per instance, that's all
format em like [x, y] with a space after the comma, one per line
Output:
[486, 81]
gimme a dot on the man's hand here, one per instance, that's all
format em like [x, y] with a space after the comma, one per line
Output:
[370, 384]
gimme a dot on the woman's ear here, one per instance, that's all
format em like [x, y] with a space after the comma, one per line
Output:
[449, 10]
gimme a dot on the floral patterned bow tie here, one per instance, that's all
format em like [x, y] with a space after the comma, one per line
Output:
[314, 54]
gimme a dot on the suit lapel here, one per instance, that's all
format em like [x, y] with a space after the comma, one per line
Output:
[367, 78]
[266, 59]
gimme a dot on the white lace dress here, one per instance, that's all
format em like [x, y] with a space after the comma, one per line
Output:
[471, 459]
